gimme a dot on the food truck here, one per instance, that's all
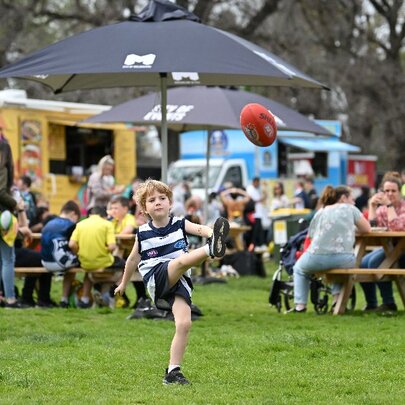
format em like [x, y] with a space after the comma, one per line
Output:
[293, 155]
[53, 147]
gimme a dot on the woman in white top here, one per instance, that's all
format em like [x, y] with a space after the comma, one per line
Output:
[101, 184]
[279, 200]
[332, 233]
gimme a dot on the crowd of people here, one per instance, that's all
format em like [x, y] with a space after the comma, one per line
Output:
[69, 241]
[66, 240]
[167, 220]
[332, 233]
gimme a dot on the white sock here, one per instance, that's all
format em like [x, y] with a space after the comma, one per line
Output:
[85, 300]
[64, 299]
[207, 249]
[172, 367]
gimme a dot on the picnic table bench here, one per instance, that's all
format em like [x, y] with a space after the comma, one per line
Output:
[32, 271]
[393, 244]
[123, 242]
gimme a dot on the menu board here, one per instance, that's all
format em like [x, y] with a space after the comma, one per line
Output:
[30, 151]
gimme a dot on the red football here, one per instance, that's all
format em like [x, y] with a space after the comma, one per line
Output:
[258, 124]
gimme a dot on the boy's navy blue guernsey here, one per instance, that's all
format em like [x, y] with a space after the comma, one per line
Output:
[160, 245]
[55, 252]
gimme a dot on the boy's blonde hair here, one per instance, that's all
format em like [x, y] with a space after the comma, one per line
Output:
[148, 187]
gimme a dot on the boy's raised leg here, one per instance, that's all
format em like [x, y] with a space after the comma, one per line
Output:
[215, 247]
[216, 242]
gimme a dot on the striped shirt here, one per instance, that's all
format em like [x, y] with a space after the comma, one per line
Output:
[157, 245]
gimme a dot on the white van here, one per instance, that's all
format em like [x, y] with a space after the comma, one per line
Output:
[220, 171]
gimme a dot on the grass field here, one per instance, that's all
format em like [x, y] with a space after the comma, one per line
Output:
[241, 352]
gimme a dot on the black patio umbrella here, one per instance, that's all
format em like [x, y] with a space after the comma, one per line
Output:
[164, 45]
[200, 107]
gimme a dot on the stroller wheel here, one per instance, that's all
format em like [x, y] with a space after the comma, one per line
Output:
[278, 304]
[288, 298]
[319, 296]
[321, 307]
[274, 296]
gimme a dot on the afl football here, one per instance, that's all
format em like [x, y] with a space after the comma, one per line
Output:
[258, 124]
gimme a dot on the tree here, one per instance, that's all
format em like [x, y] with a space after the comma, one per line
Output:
[362, 44]
[354, 46]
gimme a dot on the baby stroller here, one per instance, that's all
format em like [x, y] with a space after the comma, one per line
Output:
[282, 288]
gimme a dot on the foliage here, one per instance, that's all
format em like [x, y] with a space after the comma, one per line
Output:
[240, 352]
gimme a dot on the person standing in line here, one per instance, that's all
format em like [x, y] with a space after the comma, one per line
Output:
[279, 199]
[8, 205]
[24, 186]
[311, 193]
[300, 199]
[101, 184]
[161, 252]
[261, 219]
[234, 201]
[361, 201]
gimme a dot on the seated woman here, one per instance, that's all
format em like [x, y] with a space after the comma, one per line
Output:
[386, 209]
[332, 233]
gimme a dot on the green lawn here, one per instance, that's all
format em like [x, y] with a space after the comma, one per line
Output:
[241, 352]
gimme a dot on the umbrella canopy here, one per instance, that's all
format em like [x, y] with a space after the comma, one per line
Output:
[200, 107]
[163, 45]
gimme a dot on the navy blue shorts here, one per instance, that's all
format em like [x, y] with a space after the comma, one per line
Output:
[157, 284]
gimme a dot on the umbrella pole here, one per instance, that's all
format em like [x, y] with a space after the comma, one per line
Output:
[257, 161]
[204, 265]
[207, 170]
[164, 151]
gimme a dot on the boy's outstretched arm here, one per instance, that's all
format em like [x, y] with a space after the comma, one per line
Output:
[197, 229]
[130, 265]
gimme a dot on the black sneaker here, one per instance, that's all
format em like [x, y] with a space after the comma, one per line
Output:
[387, 308]
[16, 305]
[216, 242]
[29, 302]
[47, 304]
[84, 305]
[175, 377]
[370, 308]
[144, 309]
[64, 304]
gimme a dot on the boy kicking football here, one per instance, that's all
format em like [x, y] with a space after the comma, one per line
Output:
[160, 252]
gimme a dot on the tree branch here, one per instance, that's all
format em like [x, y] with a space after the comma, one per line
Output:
[268, 8]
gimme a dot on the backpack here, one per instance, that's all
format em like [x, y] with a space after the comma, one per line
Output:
[288, 253]
[245, 263]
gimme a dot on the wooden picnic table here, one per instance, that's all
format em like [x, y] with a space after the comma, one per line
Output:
[124, 242]
[393, 243]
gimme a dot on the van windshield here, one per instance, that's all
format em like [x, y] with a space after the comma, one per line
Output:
[194, 175]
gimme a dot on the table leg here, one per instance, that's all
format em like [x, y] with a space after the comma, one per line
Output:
[344, 295]
[393, 256]
[359, 251]
[400, 282]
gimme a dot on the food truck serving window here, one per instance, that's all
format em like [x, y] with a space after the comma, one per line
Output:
[83, 147]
